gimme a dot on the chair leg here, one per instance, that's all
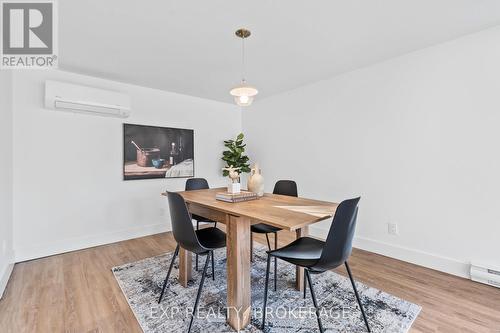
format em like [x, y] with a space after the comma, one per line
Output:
[357, 296]
[195, 308]
[268, 242]
[305, 287]
[275, 261]
[197, 228]
[251, 246]
[265, 292]
[215, 225]
[213, 266]
[168, 274]
[314, 300]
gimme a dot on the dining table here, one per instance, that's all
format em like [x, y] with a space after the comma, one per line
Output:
[285, 212]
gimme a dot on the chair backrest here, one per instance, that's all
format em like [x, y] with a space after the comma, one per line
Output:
[196, 184]
[286, 187]
[338, 245]
[182, 225]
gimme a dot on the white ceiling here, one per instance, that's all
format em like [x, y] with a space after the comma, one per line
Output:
[189, 47]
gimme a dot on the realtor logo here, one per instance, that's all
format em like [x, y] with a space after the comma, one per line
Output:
[28, 34]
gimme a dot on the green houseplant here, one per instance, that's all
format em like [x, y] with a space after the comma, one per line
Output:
[234, 156]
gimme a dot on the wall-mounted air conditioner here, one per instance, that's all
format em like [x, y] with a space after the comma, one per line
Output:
[75, 98]
[485, 274]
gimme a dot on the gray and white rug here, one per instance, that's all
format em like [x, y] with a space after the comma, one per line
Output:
[141, 283]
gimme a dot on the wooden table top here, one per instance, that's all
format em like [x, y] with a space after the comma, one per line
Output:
[285, 212]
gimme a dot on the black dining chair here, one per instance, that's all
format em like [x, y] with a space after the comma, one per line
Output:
[317, 256]
[201, 242]
[198, 184]
[283, 187]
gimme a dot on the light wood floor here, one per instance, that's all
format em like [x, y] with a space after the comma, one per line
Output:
[76, 292]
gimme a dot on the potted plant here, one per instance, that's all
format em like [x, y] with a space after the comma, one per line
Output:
[235, 161]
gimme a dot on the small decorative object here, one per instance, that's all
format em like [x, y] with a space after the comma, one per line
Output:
[158, 163]
[233, 173]
[234, 186]
[256, 182]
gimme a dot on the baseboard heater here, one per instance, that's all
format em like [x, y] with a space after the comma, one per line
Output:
[484, 274]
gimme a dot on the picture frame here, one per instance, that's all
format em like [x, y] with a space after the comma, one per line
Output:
[155, 152]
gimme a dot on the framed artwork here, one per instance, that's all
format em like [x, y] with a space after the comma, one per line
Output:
[157, 152]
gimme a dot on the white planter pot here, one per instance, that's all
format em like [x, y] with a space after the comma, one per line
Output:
[234, 188]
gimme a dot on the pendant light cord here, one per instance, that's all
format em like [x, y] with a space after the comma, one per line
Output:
[243, 59]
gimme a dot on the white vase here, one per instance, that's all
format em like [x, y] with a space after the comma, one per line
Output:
[256, 181]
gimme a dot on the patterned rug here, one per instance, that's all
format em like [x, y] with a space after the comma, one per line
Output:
[288, 311]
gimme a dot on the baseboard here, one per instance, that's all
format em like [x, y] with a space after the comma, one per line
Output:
[73, 244]
[4, 276]
[417, 257]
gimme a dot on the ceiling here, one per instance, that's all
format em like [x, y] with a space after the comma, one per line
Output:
[189, 47]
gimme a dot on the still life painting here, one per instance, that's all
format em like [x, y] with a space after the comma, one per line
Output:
[157, 152]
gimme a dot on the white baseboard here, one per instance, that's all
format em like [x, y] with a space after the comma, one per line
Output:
[73, 244]
[5, 273]
[417, 257]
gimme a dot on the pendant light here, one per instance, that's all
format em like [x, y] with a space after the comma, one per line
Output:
[243, 93]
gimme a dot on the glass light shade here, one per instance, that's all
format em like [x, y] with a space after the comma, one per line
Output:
[243, 100]
[244, 94]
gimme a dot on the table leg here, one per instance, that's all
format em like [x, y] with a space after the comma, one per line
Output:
[238, 272]
[185, 264]
[299, 275]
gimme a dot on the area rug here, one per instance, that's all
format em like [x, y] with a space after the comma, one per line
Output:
[288, 311]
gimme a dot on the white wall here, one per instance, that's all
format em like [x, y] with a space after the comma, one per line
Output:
[6, 235]
[417, 137]
[68, 187]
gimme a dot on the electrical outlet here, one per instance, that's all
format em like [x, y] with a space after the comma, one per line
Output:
[392, 229]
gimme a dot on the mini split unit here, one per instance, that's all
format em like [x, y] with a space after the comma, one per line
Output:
[80, 99]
